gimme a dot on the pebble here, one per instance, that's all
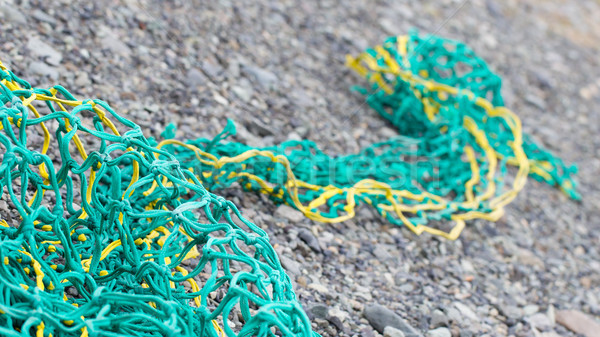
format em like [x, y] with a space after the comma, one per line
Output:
[4, 206]
[319, 311]
[454, 315]
[112, 41]
[290, 213]
[83, 80]
[380, 317]
[511, 312]
[195, 78]
[578, 322]
[12, 14]
[40, 48]
[43, 69]
[438, 319]
[439, 332]
[244, 94]
[290, 265]
[41, 16]
[540, 321]
[319, 287]
[530, 309]
[389, 331]
[310, 240]
[264, 78]
[466, 311]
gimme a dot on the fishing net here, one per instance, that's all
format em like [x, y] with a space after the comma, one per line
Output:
[114, 234]
[448, 164]
[115, 238]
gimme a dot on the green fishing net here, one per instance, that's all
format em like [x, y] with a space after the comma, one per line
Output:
[115, 238]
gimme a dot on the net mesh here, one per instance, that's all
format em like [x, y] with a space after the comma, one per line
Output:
[116, 234]
[115, 238]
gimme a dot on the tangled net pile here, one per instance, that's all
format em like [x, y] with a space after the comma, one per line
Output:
[118, 235]
[116, 239]
[449, 163]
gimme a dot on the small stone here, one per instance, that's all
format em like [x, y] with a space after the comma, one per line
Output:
[114, 43]
[578, 322]
[337, 322]
[551, 312]
[319, 287]
[294, 136]
[41, 68]
[586, 282]
[243, 93]
[195, 78]
[466, 311]
[511, 312]
[220, 99]
[41, 49]
[302, 281]
[380, 317]
[454, 315]
[540, 321]
[530, 309]
[82, 80]
[406, 288]
[212, 69]
[310, 240]
[489, 40]
[381, 253]
[466, 333]
[127, 96]
[528, 258]
[439, 332]
[535, 101]
[264, 78]
[389, 331]
[438, 319]
[44, 17]
[13, 14]
[291, 266]
[260, 128]
[318, 311]
[287, 212]
[341, 315]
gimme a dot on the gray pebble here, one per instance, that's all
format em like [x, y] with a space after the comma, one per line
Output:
[195, 78]
[310, 240]
[392, 332]
[319, 311]
[287, 212]
[380, 317]
[40, 48]
[291, 266]
[44, 17]
[439, 332]
[265, 78]
[43, 69]
[438, 319]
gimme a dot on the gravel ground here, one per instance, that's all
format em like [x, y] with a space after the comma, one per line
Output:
[277, 69]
